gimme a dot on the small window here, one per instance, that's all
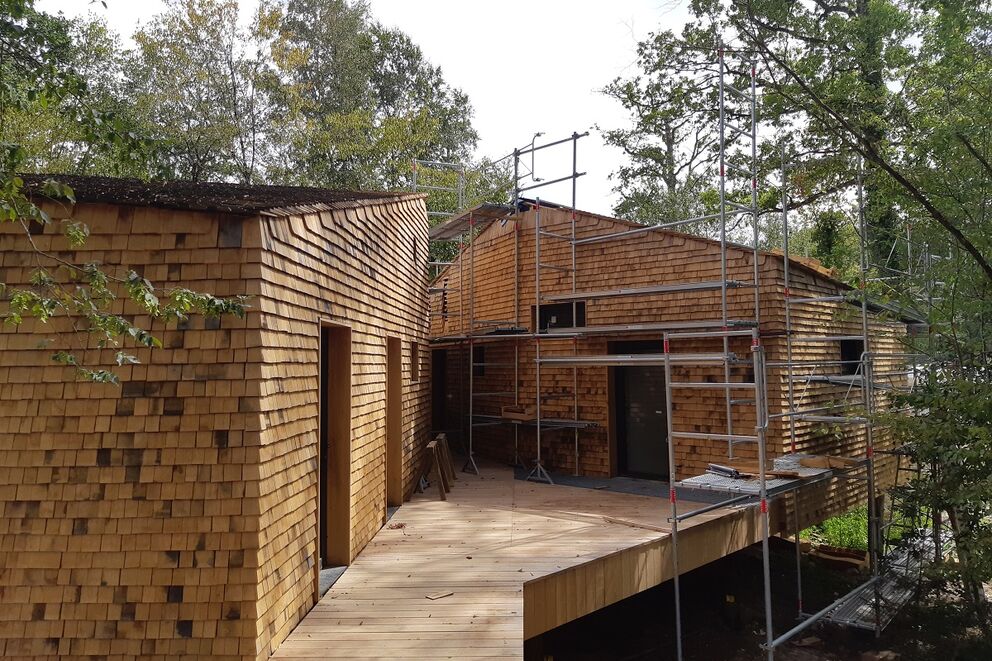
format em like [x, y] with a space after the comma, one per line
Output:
[850, 355]
[478, 360]
[415, 361]
[560, 315]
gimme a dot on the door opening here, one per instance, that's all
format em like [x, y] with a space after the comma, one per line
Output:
[334, 461]
[639, 413]
[394, 418]
[439, 389]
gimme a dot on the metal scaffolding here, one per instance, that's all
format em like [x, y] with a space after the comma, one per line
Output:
[742, 167]
[864, 391]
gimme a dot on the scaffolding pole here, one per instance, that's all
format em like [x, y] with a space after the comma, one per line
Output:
[845, 412]
[724, 333]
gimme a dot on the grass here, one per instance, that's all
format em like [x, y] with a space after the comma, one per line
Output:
[847, 531]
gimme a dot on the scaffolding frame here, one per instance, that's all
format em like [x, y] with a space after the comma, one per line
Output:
[728, 208]
[858, 405]
[511, 329]
[884, 557]
[539, 472]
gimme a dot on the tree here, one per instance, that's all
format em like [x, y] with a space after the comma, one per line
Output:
[88, 128]
[893, 93]
[671, 145]
[201, 86]
[954, 441]
[38, 73]
[359, 101]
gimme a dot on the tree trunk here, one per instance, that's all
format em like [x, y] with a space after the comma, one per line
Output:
[880, 216]
[974, 591]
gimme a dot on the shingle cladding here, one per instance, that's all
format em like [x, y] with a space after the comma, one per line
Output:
[504, 261]
[176, 515]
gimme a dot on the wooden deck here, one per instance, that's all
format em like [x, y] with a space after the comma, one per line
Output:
[519, 559]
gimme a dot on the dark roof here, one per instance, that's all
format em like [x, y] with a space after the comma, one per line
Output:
[203, 196]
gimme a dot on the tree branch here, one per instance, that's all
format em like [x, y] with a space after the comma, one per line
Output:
[974, 152]
[863, 146]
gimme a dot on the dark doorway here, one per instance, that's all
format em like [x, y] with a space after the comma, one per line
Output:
[639, 414]
[439, 389]
[850, 355]
[334, 461]
[394, 416]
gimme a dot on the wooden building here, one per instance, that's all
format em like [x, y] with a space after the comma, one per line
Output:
[188, 511]
[629, 289]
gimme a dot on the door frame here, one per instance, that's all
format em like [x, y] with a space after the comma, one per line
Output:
[615, 399]
[334, 465]
[394, 421]
[439, 390]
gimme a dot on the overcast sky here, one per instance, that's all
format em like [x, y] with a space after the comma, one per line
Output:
[528, 66]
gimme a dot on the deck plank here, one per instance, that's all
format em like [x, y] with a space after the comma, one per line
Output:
[520, 558]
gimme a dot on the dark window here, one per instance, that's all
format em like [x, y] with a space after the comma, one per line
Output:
[559, 315]
[415, 362]
[478, 360]
[850, 355]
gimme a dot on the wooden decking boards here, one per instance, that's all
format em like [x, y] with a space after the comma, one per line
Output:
[519, 559]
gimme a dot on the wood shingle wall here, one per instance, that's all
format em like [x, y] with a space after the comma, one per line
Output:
[126, 523]
[363, 268]
[176, 515]
[504, 259]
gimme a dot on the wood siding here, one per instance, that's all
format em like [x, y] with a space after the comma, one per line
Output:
[176, 515]
[362, 268]
[504, 258]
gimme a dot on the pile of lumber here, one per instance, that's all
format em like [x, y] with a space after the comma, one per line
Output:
[748, 470]
[441, 469]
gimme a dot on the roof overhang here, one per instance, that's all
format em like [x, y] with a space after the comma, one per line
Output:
[481, 215]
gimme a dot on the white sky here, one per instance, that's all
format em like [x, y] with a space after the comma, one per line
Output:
[526, 65]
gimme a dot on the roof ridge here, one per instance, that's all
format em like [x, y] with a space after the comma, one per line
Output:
[216, 196]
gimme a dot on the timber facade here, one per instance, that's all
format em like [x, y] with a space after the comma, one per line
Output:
[188, 511]
[493, 283]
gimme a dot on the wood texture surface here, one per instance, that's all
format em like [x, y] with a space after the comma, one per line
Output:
[518, 559]
[504, 260]
[177, 515]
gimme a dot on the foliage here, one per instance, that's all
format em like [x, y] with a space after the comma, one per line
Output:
[87, 296]
[952, 438]
[847, 531]
[892, 93]
[359, 101]
[670, 145]
[897, 84]
[62, 102]
[832, 239]
[308, 92]
[199, 83]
